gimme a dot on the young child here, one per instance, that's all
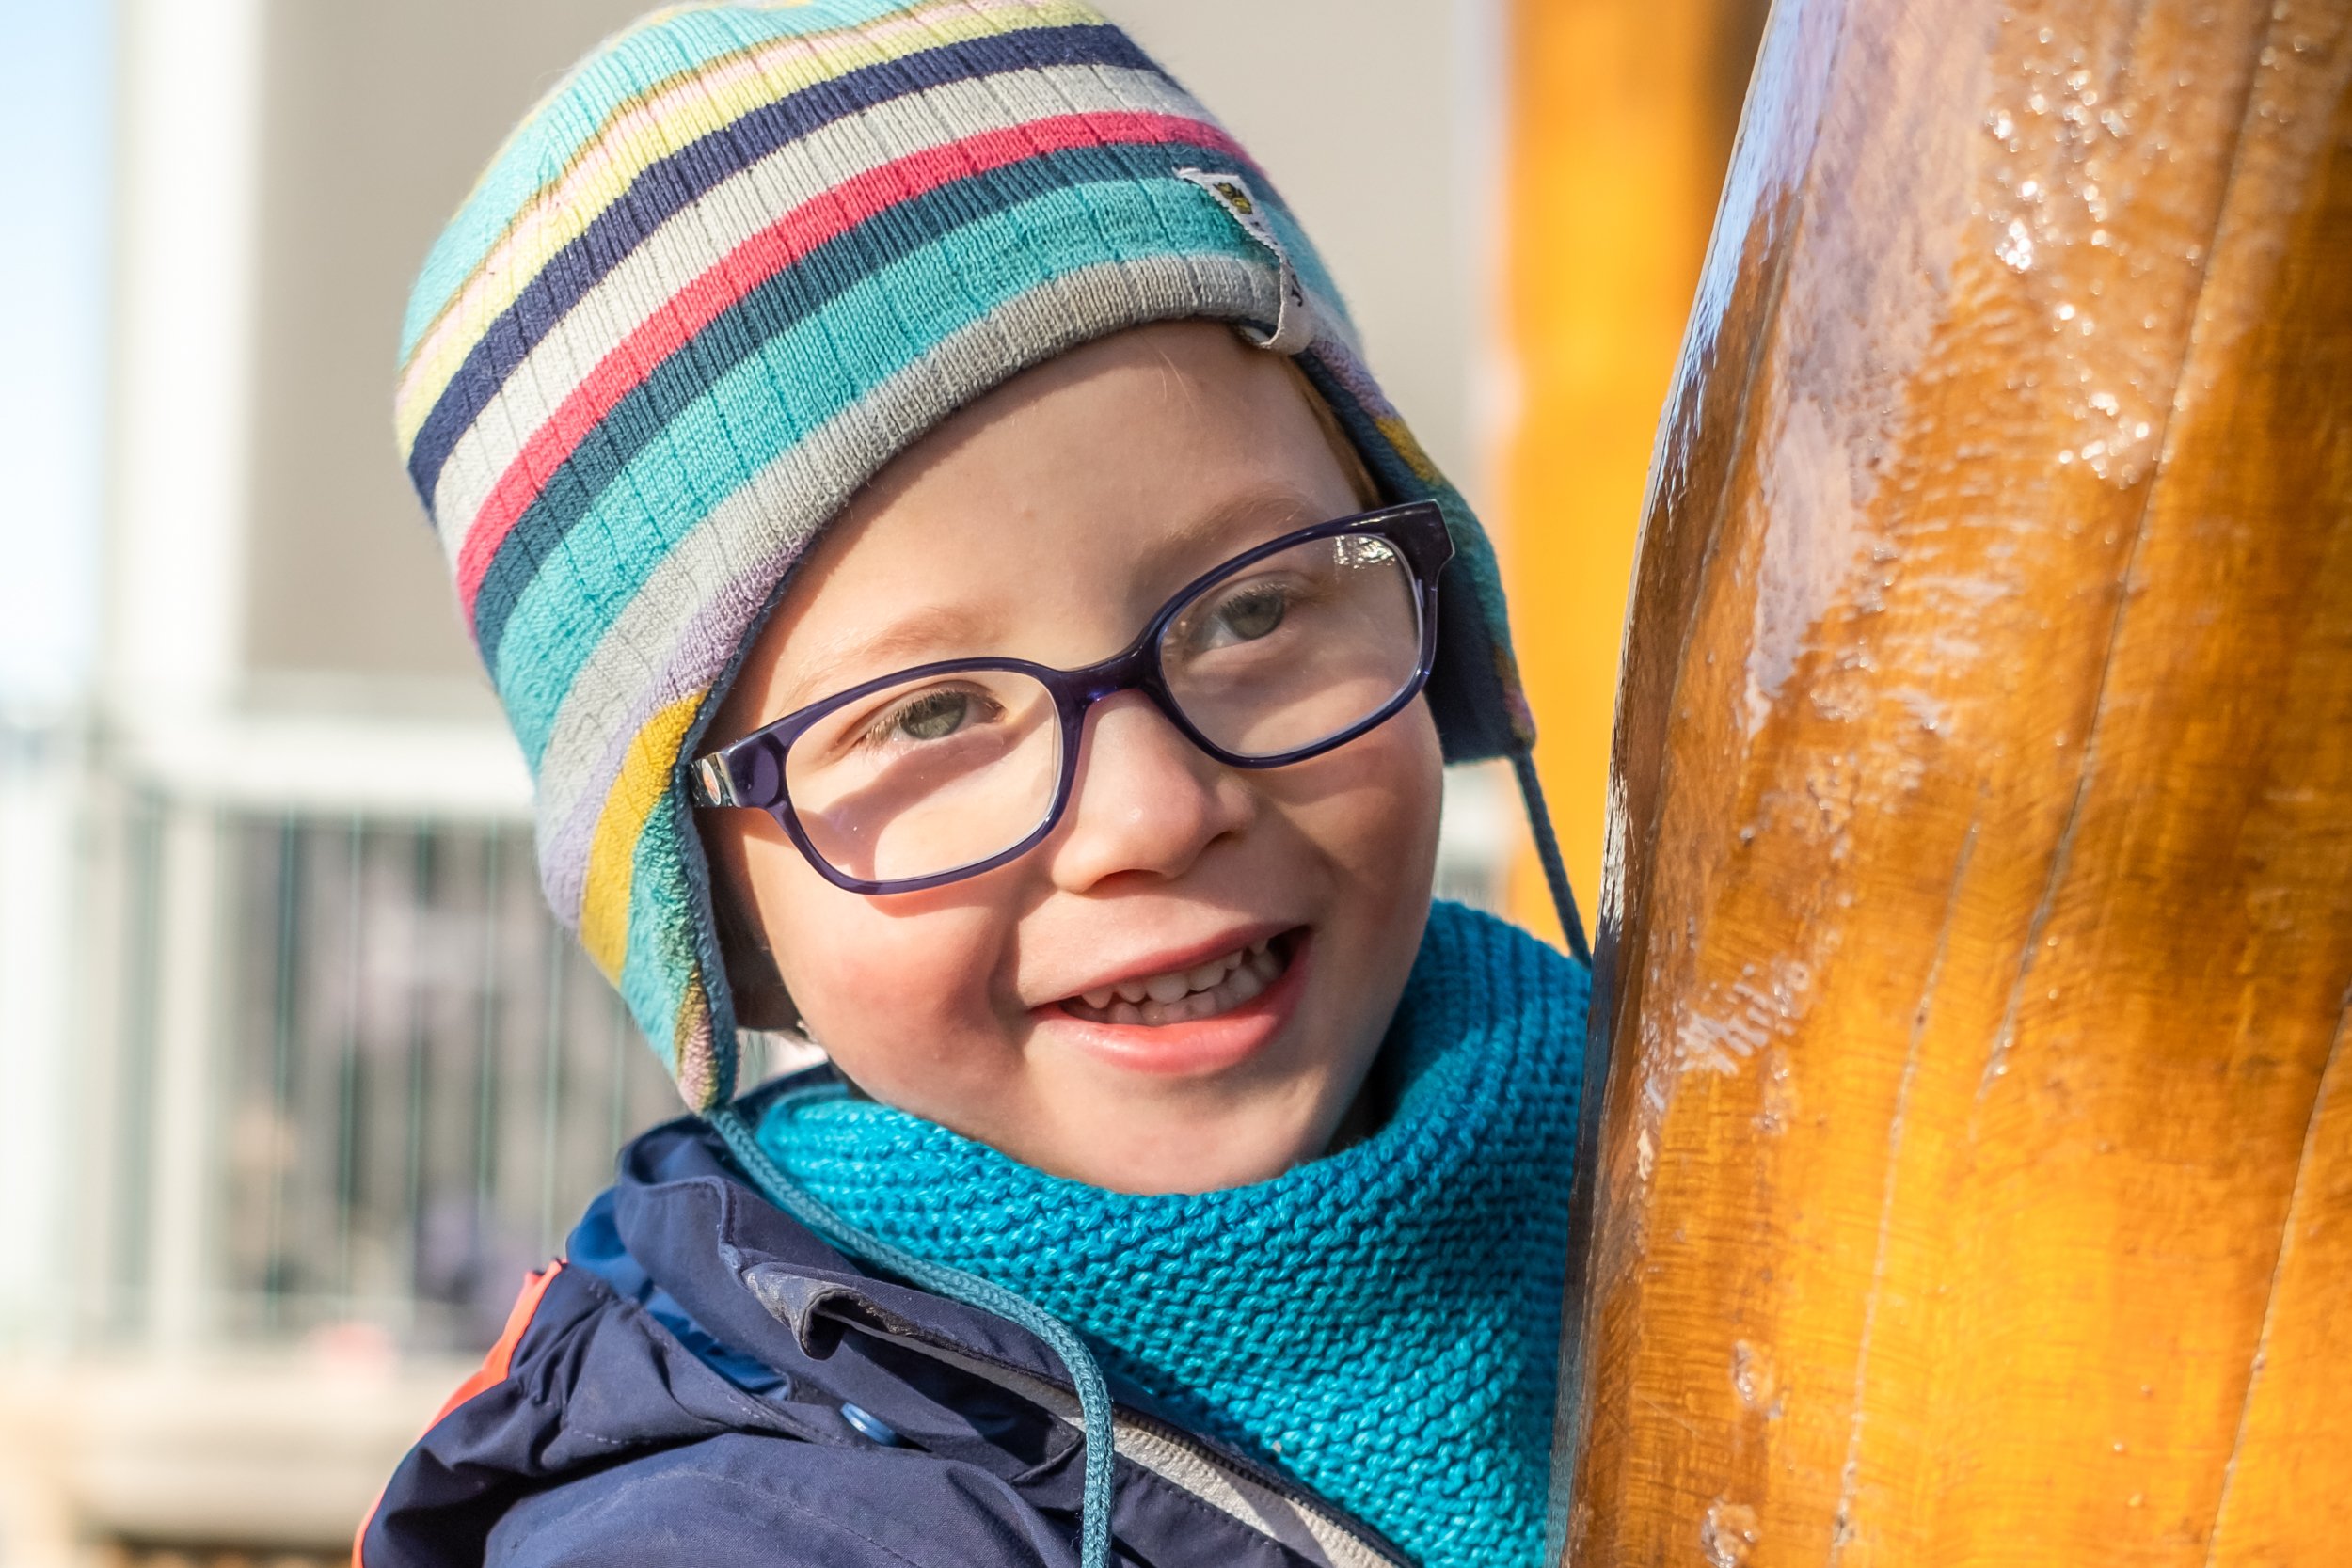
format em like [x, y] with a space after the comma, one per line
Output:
[963, 598]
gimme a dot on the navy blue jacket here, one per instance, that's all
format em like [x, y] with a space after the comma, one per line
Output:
[703, 1381]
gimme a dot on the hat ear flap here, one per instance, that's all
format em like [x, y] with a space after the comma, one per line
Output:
[754, 983]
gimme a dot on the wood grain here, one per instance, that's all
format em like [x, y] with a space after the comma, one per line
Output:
[1973, 1178]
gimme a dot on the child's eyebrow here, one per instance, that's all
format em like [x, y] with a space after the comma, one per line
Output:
[1187, 546]
[1232, 525]
[938, 632]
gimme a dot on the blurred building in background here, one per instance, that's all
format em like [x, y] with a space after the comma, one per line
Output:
[295, 1075]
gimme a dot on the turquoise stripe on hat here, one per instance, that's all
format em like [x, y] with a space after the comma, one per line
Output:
[802, 377]
[664, 386]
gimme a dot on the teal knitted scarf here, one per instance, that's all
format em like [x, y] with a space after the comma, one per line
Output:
[1382, 1323]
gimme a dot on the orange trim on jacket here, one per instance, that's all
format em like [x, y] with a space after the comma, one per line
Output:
[489, 1374]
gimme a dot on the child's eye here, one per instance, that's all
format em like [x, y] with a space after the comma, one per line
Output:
[1244, 617]
[932, 716]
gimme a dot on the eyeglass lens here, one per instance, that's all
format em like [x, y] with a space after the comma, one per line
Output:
[945, 771]
[1296, 648]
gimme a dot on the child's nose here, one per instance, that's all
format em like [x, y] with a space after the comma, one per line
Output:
[1146, 798]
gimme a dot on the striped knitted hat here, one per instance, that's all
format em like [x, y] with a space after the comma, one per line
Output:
[736, 260]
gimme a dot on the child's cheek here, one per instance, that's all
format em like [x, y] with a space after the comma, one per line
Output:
[1371, 809]
[901, 998]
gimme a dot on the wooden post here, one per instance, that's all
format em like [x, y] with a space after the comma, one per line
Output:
[1973, 1182]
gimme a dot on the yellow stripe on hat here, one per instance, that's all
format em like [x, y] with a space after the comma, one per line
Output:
[1394, 431]
[650, 127]
[645, 777]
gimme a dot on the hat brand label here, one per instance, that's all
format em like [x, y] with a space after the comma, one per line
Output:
[1293, 327]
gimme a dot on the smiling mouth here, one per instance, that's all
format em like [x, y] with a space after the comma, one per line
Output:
[1180, 996]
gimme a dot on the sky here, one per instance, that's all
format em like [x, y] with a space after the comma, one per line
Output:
[55, 73]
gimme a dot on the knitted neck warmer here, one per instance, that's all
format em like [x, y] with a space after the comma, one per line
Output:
[1382, 1323]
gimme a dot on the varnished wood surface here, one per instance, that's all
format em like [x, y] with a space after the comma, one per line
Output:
[1975, 1167]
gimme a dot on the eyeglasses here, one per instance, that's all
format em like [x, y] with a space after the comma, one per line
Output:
[950, 769]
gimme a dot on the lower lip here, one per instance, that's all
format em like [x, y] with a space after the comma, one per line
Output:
[1199, 1047]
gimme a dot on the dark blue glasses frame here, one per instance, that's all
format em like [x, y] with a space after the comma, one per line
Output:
[751, 771]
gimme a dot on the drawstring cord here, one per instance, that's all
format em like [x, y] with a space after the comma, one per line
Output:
[1548, 851]
[1094, 1400]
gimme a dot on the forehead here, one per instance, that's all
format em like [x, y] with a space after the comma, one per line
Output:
[1048, 519]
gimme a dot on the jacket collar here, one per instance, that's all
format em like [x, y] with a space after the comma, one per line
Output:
[957, 1382]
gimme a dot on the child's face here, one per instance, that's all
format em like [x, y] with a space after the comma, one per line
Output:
[1048, 521]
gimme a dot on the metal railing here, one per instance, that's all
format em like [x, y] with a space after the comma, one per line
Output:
[406, 1079]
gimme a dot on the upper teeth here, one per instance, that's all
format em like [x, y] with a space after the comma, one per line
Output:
[1176, 983]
